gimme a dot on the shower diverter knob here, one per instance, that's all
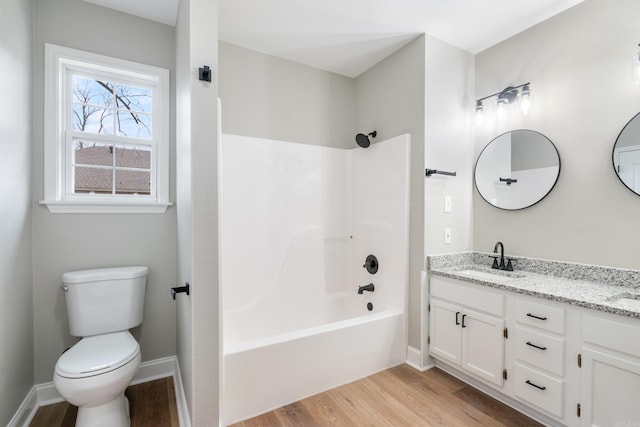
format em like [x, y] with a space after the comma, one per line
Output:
[371, 264]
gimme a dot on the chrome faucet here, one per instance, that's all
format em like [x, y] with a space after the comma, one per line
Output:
[501, 265]
[368, 288]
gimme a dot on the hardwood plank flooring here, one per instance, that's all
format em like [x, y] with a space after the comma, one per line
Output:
[152, 404]
[400, 396]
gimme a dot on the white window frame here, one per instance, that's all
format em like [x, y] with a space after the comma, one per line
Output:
[60, 64]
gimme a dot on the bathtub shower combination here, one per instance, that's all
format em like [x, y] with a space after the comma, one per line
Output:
[297, 225]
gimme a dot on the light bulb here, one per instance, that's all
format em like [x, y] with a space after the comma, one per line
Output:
[635, 69]
[525, 100]
[479, 109]
[501, 111]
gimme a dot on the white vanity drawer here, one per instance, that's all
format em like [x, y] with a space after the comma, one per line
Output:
[541, 316]
[540, 350]
[539, 389]
[470, 296]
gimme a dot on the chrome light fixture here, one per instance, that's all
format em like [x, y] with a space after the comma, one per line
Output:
[507, 96]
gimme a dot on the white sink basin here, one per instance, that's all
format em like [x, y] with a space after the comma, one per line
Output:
[629, 301]
[489, 273]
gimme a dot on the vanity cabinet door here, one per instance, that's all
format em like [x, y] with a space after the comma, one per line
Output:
[444, 331]
[610, 389]
[483, 345]
[466, 338]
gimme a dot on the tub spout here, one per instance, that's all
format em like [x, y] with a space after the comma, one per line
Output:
[368, 288]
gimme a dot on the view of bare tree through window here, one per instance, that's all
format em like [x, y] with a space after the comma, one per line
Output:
[108, 108]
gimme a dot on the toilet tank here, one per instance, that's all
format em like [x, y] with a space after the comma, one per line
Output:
[104, 300]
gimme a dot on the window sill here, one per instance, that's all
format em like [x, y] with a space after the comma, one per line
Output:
[97, 207]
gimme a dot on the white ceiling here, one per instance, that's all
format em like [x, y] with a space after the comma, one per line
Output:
[350, 36]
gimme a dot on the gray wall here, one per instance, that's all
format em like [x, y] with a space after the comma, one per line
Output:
[390, 98]
[16, 306]
[197, 204]
[579, 66]
[268, 97]
[64, 242]
[183, 197]
[448, 146]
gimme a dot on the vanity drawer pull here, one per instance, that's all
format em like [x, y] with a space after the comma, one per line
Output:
[457, 318]
[536, 317]
[535, 385]
[536, 346]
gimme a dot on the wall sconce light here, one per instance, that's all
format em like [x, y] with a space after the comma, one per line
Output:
[507, 96]
[635, 68]
[479, 108]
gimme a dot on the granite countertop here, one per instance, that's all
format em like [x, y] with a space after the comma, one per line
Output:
[593, 289]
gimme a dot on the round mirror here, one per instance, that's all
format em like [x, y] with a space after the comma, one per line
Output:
[626, 155]
[517, 169]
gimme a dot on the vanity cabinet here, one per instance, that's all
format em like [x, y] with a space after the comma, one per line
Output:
[610, 372]
[467, 329]
[564, 364]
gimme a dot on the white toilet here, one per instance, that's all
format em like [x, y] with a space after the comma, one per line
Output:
[102, 304]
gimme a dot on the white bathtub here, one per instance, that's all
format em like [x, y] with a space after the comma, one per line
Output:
[262, 373]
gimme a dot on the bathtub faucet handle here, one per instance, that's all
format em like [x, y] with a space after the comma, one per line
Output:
[368, 288]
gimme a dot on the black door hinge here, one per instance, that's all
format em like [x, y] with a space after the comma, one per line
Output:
[429, 308]
[506, 333]
[578, 410]
[504, 374]
[579, 360]
[428, 339]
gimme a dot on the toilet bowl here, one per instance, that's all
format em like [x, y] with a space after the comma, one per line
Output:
[93, 375]
[102, 305]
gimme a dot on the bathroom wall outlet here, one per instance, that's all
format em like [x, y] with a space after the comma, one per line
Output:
[447, 204]
[447, 235]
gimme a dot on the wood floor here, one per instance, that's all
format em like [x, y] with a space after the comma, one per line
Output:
[399, 396]
[152, 404]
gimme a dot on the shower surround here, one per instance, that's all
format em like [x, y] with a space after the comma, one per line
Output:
[297, 223]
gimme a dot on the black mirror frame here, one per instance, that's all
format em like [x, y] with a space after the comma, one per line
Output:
[613, 151]
[475, 183]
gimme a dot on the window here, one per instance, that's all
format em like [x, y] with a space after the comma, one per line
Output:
[106, 134]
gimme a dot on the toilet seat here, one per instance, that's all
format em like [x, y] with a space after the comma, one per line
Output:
[97, 355]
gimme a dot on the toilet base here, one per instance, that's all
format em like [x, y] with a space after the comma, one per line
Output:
[111, 414]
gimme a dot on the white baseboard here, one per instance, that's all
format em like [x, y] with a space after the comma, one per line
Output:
[46, 393]
[155, 369]
[26, 411]
[414, 359]
[181, 399]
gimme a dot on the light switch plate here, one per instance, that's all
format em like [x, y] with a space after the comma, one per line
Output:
[447, 204]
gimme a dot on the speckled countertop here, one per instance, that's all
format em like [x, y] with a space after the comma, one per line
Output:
[594, 287]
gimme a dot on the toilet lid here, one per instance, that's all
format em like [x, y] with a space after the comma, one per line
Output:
[98, 354]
